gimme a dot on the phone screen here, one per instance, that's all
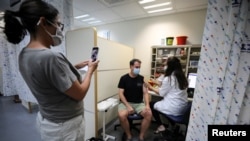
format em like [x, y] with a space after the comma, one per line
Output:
[94, 53]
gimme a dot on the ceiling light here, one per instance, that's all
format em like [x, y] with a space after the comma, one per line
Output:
[160, 10]
[94, 22]
[81, 16]
[89, 19]
[145, 1]
[157, 5]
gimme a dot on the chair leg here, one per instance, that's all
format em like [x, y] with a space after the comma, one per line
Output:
[115, 127]
[176, 129]
[185, 134]
[133, 126]
[130, 124]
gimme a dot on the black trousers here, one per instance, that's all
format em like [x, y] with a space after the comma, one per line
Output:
[156, 114]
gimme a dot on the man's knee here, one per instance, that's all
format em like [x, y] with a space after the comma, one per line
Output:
[147, 114]
[123, 114]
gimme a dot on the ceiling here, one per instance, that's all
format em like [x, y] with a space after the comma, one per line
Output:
[111, 11]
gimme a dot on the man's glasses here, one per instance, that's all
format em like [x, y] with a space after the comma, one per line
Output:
[58, 24]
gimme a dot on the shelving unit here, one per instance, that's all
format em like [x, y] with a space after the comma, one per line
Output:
[188, 54]
[194, 56]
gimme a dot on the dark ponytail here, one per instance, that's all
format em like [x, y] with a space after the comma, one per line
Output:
[18, 23]
[14, 29]
[174, 66]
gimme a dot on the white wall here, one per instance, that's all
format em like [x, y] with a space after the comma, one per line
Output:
[143, 33]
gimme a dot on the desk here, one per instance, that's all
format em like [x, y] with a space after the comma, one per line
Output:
[104, 106]
[152, 93]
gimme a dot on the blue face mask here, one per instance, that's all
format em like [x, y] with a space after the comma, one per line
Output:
[136, 71]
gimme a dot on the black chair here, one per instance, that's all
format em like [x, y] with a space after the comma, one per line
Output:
[175, 121]
[132, 125]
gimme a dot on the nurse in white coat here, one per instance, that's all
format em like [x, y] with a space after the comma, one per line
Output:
[173, 91]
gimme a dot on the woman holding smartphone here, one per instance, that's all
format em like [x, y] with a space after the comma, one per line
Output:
[52, 79]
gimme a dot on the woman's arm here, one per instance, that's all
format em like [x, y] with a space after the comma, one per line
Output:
[78, 91]
[150, 87]
[124, 101]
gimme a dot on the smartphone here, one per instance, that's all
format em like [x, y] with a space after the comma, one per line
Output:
[94, 53]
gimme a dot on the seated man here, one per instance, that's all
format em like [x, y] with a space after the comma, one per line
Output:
[132, 92]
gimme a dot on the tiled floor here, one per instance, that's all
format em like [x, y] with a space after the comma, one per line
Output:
[118, 133]
[17, 124]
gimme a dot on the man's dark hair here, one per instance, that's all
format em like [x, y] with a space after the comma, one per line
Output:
[132, 62]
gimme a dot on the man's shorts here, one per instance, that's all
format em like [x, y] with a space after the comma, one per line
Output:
[138, 107]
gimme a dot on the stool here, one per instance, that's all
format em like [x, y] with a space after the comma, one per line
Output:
[131, 118]
[181, 119]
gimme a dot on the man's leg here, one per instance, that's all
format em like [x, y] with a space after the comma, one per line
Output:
[147, 117]
[123, 114]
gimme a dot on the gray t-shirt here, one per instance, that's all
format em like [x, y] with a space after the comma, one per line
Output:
[49, 74]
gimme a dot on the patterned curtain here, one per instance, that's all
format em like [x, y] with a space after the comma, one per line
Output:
[13, 83]
[222, 94]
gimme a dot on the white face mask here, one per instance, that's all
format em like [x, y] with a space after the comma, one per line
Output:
[57, 38]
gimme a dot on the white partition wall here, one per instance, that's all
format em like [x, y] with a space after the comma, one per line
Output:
[78, 48]
[114, 62]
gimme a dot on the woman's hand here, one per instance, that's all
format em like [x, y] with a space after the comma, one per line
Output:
[153, 80]
[151, 88]
[148, 85]
[92, 65]
[82, 64]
